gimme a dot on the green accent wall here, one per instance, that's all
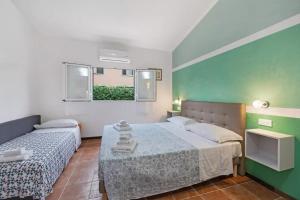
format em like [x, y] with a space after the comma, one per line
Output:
[287, 181]
[231, 20]
[266, 69]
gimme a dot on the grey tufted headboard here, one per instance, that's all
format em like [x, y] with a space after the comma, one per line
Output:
[228, 115]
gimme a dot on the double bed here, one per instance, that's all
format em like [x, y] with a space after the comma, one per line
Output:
[52, 149]
[168, 157]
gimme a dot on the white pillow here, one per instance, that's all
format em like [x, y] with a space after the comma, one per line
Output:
[59, 123]
[213, 132]
[181, 121]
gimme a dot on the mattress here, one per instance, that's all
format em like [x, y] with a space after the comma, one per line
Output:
[74, 130]
[166, 158]
[35, 177]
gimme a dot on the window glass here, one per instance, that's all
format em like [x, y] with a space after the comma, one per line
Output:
[145, 85]
[77, 82]
[113, 84]
[98, 70]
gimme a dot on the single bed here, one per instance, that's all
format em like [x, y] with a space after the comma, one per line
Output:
[74, 130]
[52, 149]
[168, 157]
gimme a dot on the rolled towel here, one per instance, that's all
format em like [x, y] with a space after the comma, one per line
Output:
[20, 157]
[13, 152]
[124, 148]
[118, 128]
[122, 125]
[123, 122]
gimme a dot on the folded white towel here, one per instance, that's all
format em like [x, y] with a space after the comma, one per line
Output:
[125, 133]
[124, 148]
[124, 138]
[125, 142]
[13, 152]
[118, 128]
[20, 157]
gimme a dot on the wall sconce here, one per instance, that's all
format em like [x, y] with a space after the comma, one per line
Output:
[177, 103]
[260, 104]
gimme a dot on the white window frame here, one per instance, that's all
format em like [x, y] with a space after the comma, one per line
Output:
[90, 84]
[90, 93]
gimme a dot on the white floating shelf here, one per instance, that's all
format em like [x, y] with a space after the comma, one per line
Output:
[272, 149]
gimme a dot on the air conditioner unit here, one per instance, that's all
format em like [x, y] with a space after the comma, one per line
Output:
[107, 55]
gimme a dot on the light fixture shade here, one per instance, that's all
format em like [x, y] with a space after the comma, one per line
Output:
[177, 101]
[260, 104]
[177, 104]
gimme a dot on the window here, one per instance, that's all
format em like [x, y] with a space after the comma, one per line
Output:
[127, 72]
[145, 85]
[77, 87]
[98, 70]
[113, 84]
[85, 83]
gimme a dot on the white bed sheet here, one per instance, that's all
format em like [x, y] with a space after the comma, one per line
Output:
[74, 130]
[199, 141]
[214, 159]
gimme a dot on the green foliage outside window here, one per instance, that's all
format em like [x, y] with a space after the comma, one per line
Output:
[101, 92]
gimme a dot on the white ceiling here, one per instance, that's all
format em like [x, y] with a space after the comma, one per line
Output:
[154, 24]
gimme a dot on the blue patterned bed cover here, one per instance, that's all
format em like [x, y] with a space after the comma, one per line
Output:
[161, 162]
[35, 177]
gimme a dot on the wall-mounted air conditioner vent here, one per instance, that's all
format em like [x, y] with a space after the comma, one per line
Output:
[113, 56]
[113, 59]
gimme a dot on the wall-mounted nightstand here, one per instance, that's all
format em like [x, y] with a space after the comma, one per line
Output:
[272, 149]
[172, 113]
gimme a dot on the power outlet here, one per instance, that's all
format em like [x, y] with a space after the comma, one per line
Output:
[265, 122]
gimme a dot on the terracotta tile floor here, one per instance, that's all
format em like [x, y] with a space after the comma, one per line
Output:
[79, 181]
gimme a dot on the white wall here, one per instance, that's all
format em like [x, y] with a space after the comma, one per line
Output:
[32, 81]
[94, 115]
[16, 64]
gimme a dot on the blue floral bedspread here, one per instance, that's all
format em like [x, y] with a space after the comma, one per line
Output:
[151, 169]
[35, 177]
